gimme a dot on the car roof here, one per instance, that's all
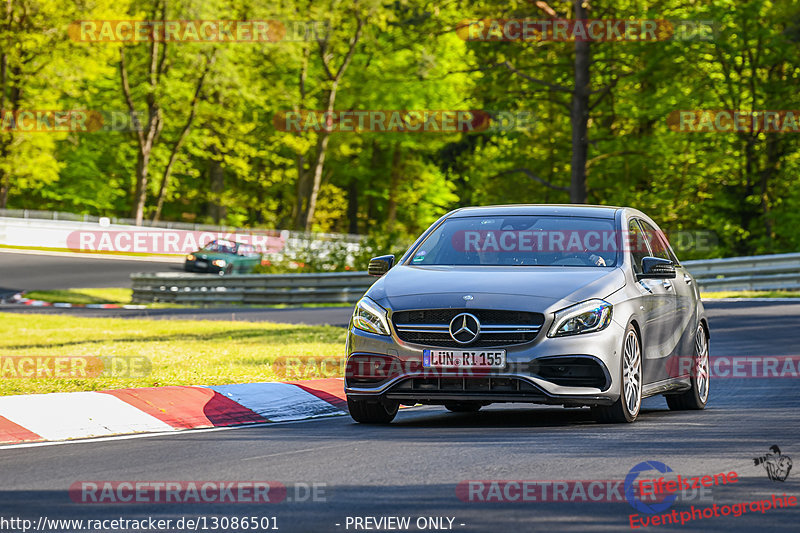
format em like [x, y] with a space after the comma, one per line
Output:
[576, 210]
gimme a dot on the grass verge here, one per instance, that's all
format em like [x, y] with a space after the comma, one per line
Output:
[180, 352]
[123, 296]
[11, 248]
[749, 294]
[83, 296]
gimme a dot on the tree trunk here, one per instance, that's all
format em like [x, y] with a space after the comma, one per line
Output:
[301, 195]
[352, 206]
[579, 115]
[140, 190]
[774, 156]
[4, 186]
[394, 182]
[216, 176]
[324, 136]
[319, 164]
[7, 139]
[176, 148]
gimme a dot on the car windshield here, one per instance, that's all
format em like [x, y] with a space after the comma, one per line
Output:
[520, 240]
[224, 247]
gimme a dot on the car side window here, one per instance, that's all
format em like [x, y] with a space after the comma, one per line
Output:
[637, 245]
[657, 242]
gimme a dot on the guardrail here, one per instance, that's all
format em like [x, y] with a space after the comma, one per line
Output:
[761, 272]
[269, 289]
[758, 272]
[108, 222]
[63, 231]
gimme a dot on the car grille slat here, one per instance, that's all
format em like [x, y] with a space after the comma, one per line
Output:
[498, 327]
[440, 385]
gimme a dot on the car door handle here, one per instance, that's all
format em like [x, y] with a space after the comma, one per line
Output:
[667, 285]
[687, 278]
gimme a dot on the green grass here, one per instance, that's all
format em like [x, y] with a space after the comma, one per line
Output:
[180, 352]
[123, 296]
[88, 252]
[749, 294]
[83, 296]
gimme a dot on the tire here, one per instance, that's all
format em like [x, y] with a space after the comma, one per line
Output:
[366, 412]
[465, 407]
[627, 406]
[697, 396]
[227, 272]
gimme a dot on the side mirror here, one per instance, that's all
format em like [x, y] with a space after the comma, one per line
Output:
[657, 268]
[378, 266]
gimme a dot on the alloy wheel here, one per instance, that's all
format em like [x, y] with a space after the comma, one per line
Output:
[701, 362]
[632, 374]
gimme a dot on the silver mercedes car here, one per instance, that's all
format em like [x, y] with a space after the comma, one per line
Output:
[569, 305]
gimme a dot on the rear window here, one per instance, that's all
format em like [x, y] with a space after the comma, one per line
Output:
[520, 240]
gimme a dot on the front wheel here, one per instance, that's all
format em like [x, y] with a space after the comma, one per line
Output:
[696, 397]
[366, 412]
[627, 406]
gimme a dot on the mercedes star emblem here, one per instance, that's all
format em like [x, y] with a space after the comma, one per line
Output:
[465, 328]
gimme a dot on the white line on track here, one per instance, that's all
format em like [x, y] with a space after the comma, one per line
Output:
[160, 434]
[348, 444]
[55, 253]
[782, 300]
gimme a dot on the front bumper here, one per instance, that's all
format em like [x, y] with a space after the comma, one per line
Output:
[192, 266]
[577, 370]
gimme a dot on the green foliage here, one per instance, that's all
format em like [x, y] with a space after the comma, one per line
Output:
[236, 168]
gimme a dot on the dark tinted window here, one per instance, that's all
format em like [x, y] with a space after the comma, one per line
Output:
[520, 240]
[637, 245]
[657, 241]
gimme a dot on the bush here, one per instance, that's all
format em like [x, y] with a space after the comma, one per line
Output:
[333, 256]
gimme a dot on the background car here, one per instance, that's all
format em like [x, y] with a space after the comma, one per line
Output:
[569, 305]
[223, 257]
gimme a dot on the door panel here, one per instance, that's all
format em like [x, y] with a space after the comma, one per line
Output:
[686, 312]
[681, 293]
[657, 304]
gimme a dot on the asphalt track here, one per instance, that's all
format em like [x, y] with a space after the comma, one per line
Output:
[45, 271]
[412, 467]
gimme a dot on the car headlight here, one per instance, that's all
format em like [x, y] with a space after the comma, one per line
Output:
[190, 257]
[585, 317]
[369, 316]
[219, 262]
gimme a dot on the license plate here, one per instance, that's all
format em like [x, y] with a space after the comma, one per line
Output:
[463, 359]
[201, 263]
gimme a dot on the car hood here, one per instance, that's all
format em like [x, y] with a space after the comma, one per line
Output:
[415, 287]
[202, 254]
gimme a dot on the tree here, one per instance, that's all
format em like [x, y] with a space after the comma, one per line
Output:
[155, 68]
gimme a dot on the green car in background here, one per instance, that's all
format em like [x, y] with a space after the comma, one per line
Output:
[223, 257]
